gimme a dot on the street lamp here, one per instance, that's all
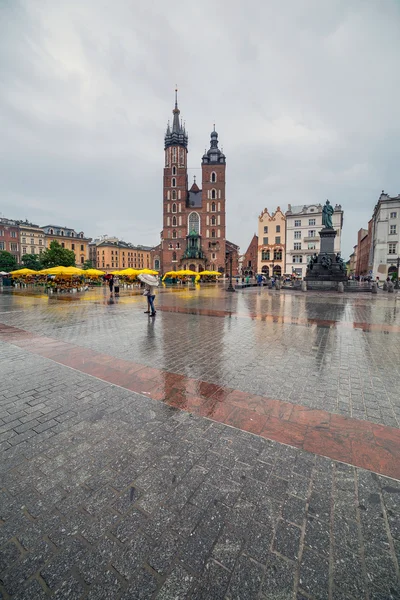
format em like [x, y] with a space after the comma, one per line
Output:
[230, 287]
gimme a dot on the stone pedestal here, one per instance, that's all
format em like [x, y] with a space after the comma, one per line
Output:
[326, 269]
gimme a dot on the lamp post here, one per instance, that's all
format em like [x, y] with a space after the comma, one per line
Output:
[230, 287]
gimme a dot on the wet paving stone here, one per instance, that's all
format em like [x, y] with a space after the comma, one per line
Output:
[127, 497]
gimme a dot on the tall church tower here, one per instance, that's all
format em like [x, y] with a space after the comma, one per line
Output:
[175, 193]
[193, 235]
[213, 187]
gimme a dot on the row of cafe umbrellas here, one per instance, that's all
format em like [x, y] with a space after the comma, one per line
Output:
[75, 271]
[189, 273]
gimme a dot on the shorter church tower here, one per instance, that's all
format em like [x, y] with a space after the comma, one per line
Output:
[213, 183]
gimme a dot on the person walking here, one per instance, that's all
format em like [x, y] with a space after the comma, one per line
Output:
[151, 297]
[111, 283]
[116, 285]
[146, 294]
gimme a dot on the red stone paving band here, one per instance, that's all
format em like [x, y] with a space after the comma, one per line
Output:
[356, 442]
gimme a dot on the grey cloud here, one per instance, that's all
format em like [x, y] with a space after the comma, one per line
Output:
[304, 96]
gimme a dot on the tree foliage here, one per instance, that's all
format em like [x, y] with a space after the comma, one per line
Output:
[87, 265]
[7, 261]
[31, 261]
[57, 256]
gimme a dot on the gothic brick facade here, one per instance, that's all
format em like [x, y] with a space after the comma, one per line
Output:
[194, 230]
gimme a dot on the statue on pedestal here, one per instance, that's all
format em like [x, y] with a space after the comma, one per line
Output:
[327, 213]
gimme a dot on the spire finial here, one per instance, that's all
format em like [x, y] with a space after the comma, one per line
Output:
[176, 95]
[214, 126]
[194, 178]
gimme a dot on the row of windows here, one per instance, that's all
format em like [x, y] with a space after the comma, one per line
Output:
[266, 254]
[311, 222]
[213, 176]
[310, 246]
[33, 251]
[178, 234]
[61, 232]
[178, 207]
[139, 254]
[32, 241]
[277, 240]
[311, 233]
[73, 246]
[13, 246]
[13, 233]
[172, 154]
[277, 229]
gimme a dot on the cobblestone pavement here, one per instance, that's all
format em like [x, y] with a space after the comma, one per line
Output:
[108, 494]
[344, 370]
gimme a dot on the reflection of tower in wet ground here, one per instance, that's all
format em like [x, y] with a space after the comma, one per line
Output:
[193, 344]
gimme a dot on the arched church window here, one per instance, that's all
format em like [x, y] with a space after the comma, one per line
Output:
[213, 233]
[194, 222]
[213, 178]
[213, 221]
[212, 206]
[174, 234]
[174, 208]
[173, 170]
[213, 194]
[170, 246]
[173, 221]
[173, 194]
[174, 155]
[173, 183]
[174, 256]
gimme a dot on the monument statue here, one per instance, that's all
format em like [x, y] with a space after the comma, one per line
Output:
[327, 213]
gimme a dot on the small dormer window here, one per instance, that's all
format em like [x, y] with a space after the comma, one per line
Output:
[62, 233]
[51, 232]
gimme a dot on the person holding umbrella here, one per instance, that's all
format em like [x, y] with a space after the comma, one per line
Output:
[151, 283]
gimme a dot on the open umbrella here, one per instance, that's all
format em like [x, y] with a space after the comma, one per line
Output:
[2, 273]
[149, 279]
[149, 271]
[93, 273]
[23, 272]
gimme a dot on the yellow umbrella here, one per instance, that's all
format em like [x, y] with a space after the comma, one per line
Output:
[170, 274]
[128, 272]
[62, 271]
[149, 271]
[184, 272]
[216, 273]
[93, 273]
[23, 272]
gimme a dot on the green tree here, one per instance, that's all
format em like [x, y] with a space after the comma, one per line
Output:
[87, 265]
[31, 261]
[7, 261]
[57, 256]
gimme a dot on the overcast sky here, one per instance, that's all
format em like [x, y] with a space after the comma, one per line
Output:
[304, 94]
